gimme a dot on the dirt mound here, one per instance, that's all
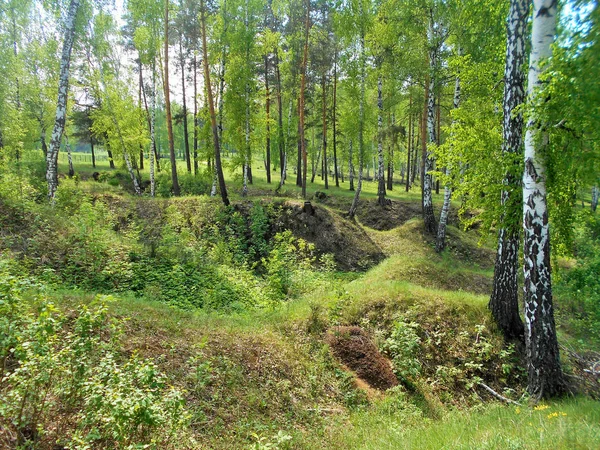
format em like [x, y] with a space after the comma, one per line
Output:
[353, 347]
[351, 247]
[390, 216]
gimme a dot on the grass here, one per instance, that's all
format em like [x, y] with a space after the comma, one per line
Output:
[568, 424]
[257, 377]
[260, 186]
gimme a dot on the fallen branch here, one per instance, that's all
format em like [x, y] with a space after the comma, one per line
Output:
[326, 410]
[495, 394]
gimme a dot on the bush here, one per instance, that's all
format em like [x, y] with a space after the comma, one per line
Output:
[402, 346]
[189, 184]
[578, 288]
[63, 381]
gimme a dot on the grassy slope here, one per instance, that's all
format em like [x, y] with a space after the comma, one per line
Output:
[262, 372]
[252, 375]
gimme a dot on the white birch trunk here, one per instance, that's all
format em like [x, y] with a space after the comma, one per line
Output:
[350, 167]
[69, 157]
[504, 301]
[247, 148]
[543, 365]
[595, 192]
[440, 242]
[361, 120]
[61, 104]
[428, 215]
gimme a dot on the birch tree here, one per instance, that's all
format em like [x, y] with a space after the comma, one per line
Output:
[440, 242]
[545, 377]
[504, 302]
[61, 104]
[174, 179]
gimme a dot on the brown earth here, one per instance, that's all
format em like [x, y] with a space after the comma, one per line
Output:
[355, 349]
[392, 215]
[350, 245]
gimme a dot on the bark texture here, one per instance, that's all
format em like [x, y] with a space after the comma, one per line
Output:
[428, 215]
[174, 179]
[152, 131]
[504, 302]
[186, 137]
[333, 122]
[61, 104]
[361, 124]
[380, 164]
[440, 242]
[302, 93]
[543, 364]
[211, 108]
[324, 117]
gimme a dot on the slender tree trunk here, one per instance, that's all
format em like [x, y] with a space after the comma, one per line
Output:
[195, 63]
[111, 161]
[93, 152]
[595, 192]
[128, 164]
[268, 113]
[43, 142]
[299, 160]
[221, 101]
[325, 166]
[186, 138]
[423, 132]
[17, 87]
[380, 162]
[61, 104]
[153, 146]
[335, 160]
[152, 152]
[428, 215]
[248, 168]
[438, 140]
[140, 90]
[361, 124]
[247, 156]
[440, 242]
[415, 148]
[211, 106]
[350, 167]
[302, 89]
[69, 157]
[280, 122]
[409, 144]
[504, 301]
[543, 362]
[176, 190]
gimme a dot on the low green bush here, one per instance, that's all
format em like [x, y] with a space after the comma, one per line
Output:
[66, 365]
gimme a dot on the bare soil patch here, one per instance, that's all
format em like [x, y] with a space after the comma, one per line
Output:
[355, 349]
[350, 245]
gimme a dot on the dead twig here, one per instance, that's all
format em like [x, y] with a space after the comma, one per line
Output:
[498, 396]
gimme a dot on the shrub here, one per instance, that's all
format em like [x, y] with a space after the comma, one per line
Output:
[402, 346]
[63, 381]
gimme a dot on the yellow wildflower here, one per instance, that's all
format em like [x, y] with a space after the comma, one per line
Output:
[552, 415]
[541, 407]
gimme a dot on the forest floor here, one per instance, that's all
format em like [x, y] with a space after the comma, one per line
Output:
[390, 351]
